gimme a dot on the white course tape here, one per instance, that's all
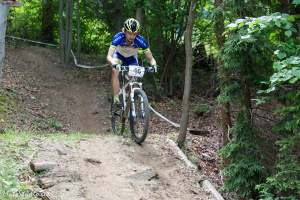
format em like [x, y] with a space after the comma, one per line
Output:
[167, 120]
[32, 41]
[86, 66]
[164, 118]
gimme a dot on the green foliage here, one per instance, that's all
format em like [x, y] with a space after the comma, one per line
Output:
[95, 37]
[229, 92]
[201, 109]
[285, 183]
[54, 123]
[276, 32]
[296, 2]
[14, 146]
[26, 22]
[245, 170]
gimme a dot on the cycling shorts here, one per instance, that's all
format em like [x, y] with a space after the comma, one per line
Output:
[132, 60]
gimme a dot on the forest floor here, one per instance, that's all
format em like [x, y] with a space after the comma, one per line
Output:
[51, 97]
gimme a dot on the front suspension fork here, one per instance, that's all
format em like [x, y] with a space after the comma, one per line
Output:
[133, 109]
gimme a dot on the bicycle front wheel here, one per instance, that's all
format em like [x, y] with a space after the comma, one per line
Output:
[139, 116]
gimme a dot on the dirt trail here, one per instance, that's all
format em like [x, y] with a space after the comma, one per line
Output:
[105, 166]
[114, 168]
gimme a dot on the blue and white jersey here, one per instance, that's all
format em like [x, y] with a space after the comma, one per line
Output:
[127, 50]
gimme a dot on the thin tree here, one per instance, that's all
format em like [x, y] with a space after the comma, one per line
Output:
[62, 31]
[78, 29]
[65, 25]
[70, 7]
[224, 107]
[140, 12]
[188, 74]
[47, 21]
[3, 19]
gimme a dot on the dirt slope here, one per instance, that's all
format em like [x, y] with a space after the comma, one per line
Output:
[76, 98]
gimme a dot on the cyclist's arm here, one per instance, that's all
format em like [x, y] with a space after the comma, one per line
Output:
[150, 57]
[109, 56]
[141, 42]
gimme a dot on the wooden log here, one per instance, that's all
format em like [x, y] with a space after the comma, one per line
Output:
[41, 166]
[45, 182]
[41, 194]
[206, 184]
[198, 132]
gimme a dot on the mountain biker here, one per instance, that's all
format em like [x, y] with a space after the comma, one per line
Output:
[123, 50]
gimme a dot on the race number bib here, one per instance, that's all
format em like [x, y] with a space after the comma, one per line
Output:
[136, 71]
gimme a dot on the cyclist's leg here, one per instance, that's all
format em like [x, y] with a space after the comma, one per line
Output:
[115, 79]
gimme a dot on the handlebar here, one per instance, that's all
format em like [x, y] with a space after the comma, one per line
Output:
[125, 68]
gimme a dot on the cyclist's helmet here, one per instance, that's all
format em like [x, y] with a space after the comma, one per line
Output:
[132, 25]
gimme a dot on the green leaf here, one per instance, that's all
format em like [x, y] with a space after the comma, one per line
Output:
[261, 101]
[281, 55]
[278, 66]
[288, 26]
[294, 60]
[291, 18]
[277, 23]
[293, 80]
[296, 72]
[288, 33]
[269, 90]
[243, 37]
[232, 25]
[296, 2]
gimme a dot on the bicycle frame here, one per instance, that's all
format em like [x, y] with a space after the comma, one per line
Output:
[133, 84]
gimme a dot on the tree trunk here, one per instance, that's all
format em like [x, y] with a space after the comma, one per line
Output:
[3, 22]
[224, 107]
[140, 12]
[166, 75]
[62, 31]
[66, 30]
[47, 21]
[247, 99]
[188, 74]
[119, 17]
[68, 34]
[78, 31]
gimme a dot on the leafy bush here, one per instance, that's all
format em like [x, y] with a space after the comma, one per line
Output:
[250, 35]
[201, 109]
[245, 170]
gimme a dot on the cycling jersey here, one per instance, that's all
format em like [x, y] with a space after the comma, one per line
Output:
[125, 52]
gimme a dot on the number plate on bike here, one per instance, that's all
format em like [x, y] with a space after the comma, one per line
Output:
[136, 71]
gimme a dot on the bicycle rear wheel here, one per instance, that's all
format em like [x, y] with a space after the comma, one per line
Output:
[140, 122]
[117, 119]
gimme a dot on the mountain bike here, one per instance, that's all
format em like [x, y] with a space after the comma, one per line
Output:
[133, 104]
